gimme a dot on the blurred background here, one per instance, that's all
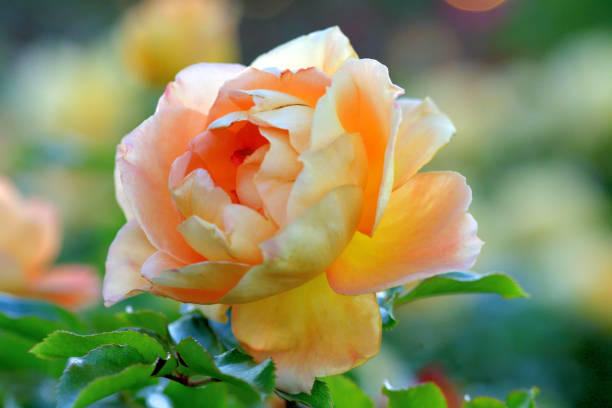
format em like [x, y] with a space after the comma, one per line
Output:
[528, 85]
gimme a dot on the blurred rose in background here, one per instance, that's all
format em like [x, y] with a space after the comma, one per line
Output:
[527, 85]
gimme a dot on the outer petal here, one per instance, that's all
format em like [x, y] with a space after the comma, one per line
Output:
[361, 100]
[71, 286]
[203, 282]
[145, 158]
[326, 49]
[425, 231]
[423, 131]
[309, 332]
[126, 255]
[304, 249]
[196, 87]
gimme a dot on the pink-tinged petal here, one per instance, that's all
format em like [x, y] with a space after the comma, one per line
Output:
[309, 332]
[121, 197]
[326, 49]
[304, 249]
[144, 160]
[361, 100]
[202, 283]
[307, 85]
[196, 87]
[425, 231]
[423, 131]
[343, 161]
[126, 255]
[72, 286]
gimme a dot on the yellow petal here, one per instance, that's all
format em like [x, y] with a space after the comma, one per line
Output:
[203, 282]
[198, 195]
[423, 131]
[206, 238]
[326, 49]
[296, 119]
[309, 332]
[245, 229]
[425, 231]
[304, 249]
[361, 101]
[341, 162]
[128, 252]
[196, 87]
[217, 313]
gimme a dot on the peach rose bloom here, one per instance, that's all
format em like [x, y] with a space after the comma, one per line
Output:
[29, 241]
[289, 191]
[157, 38]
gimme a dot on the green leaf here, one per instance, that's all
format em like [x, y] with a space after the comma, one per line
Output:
[196, 327]
[522, 399]
[14, 356]
[423, 395]
[145, 319]
[464, 282]
[234, 367]
[319, 397]
[102, 372]
[213, 395]
[34, 319]
[346, 394]
[484, 402]
[62, 344]
[386, 301]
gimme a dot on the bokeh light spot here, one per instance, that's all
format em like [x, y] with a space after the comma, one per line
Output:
[475, 5]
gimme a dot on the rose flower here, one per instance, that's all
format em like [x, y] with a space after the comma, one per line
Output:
[289, 191]
[29, 240]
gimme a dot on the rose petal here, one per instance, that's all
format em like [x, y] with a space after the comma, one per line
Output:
[296, 119]
[307, 85]
[72, 286]
[425, 231]
[304, 249]
[309, 332]
[341, 162]
[203, 282]
[128, 252]
[196, 87]
[326, 49]
[361, 100]
[423, 131]
[145, 158]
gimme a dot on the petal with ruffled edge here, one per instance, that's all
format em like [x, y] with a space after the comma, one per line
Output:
[144, 160]
[196, 87]
[304, 249]
[425, 231]
[307, 85]
[72, 286]
[325, 49]
[128, 252]
[423, 131]
[309, 332]
[360, 101]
